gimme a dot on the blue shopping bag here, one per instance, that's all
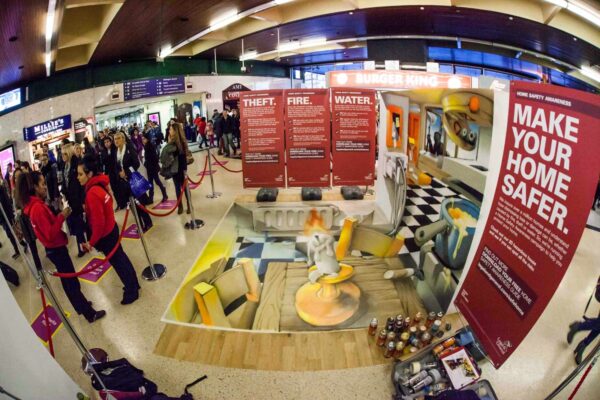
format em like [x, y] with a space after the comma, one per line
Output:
[138, 184]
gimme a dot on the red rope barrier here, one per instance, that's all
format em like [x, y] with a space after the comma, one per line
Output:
[155, 214]
[48, 331]
[224, 167]
[203, 173]
[585, 374]
[107, 258]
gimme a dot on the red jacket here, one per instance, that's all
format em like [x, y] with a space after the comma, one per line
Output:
[46, 225]
[99, 208]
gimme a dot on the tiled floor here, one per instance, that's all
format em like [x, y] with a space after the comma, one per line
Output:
[538, 365]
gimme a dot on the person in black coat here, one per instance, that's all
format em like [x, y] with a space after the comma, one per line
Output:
[152, 167]
[49, 170]
[7, 205]
[75, 195]
[127, 159]
[108, 163]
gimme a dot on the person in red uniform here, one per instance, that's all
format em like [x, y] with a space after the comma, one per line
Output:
[104, 232]
[31, 189]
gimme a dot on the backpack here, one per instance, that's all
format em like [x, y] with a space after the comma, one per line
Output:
[169, 163]
[9, 274]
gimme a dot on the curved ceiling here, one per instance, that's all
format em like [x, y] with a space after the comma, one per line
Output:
[99, 32]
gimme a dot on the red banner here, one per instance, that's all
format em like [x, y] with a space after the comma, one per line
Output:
[378, 79]
[547, 180]
[307, 119]
[354, 129]
[261, 124]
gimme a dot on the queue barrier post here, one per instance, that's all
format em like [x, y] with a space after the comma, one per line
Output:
[42, 284]
[213, 194]
[152, 272]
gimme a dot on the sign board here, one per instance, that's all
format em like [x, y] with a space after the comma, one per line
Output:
[389, 80]
[261, 121]
[153, 87]
[233, 92]
[10, 99]
[308, 137]
[48, 128]
[547, 179]
[353, 135]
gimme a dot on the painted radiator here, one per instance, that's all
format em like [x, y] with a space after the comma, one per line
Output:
[289, 218]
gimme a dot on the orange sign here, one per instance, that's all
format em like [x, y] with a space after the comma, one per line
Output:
[396, 80]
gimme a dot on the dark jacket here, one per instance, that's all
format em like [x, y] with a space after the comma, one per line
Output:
[225, 125]
[130, 160]
[151, 159]
[50, 174]
[7, 204]
[71, 188]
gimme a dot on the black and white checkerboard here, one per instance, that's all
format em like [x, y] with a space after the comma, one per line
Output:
[423, 205]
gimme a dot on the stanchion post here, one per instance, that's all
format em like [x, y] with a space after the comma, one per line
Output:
[194, 223]
[42, 284]
[152, 272]
[214, 194]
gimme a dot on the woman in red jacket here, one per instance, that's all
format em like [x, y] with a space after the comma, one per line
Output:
[31, 189]
[104, 232]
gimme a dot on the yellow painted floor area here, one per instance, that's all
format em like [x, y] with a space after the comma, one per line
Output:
[133, 331]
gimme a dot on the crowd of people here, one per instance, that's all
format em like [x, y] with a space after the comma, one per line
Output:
[84, 185]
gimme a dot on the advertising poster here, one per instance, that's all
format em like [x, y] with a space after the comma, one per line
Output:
[353, 134]
[546, 183]
[261, 124]
[307, 137]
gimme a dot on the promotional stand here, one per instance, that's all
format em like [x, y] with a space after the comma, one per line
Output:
[42, 284]
[194, 223]
[153, 271]
[213, 194]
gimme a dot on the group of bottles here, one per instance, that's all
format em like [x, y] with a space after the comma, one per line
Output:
[406, 335]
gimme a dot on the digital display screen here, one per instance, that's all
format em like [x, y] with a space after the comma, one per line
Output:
[153, 87]
[10, 99]
[7, 156]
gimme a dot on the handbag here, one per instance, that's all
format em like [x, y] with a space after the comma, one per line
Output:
[138, 184]
[189, 158]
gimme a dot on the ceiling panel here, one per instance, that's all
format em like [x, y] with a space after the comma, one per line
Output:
[142, 27]
[24, 20]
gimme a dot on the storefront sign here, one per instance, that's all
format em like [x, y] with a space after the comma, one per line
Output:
[307, 137]
[354, 129]
[57, 125]
[153, 87]
[261, 123]
[546, 183]
[80, 126]
[233, 92]
[378, 79]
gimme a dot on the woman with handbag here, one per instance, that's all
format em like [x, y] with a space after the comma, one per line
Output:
[31, 193]
[184, 157]
[104, 232]
[74, 194]
[152, 167]
[127, 162]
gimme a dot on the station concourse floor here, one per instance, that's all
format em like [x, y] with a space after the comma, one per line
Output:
[536, 367]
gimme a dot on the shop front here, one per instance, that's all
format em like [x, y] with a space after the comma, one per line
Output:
[49, 133]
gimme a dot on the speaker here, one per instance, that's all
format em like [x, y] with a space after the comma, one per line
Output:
[267, 194]
[309, 194]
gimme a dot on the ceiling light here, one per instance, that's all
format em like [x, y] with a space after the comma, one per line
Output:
[250, 55]
[584, 11]
[50, 19]
[313, 42]
[351, 13]
[223, 21]
[280, 2]
[167, 51]
[48, 60]
[288, 46]
[590, 73]
[412, 66]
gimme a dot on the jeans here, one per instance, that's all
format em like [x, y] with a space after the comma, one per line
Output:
[119, 260]
[204, 141]
[228, 142]
[61, 259]
[153, 178]
[592, 325]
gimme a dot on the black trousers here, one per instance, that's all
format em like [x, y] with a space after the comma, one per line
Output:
[61, 259]
[10, 235]
[178, 179]
[153, 178]
[119, 260]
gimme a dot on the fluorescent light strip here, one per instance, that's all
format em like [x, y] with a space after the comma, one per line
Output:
[49, 32]
[579, 8]
[225, 20]
[590, 73]
[560, 3]
[218, 22]
[251, 55]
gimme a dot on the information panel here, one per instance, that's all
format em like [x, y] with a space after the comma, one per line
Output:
[153, 87]
[546, 184]
[261, 124]
[307, 119]
[354, 126]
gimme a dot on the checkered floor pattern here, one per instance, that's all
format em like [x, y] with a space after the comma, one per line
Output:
[423, 205]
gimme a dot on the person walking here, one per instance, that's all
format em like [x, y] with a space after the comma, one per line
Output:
[136, 140]
[74, 194]
[31, 193]
[176, 136]
[210, 134]
[226, 128]
[218, 128]
[200, 123]
[588, 324]
[127, 163]
[153, 168]
[104, 232]
[108, 164]
[235, 116]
